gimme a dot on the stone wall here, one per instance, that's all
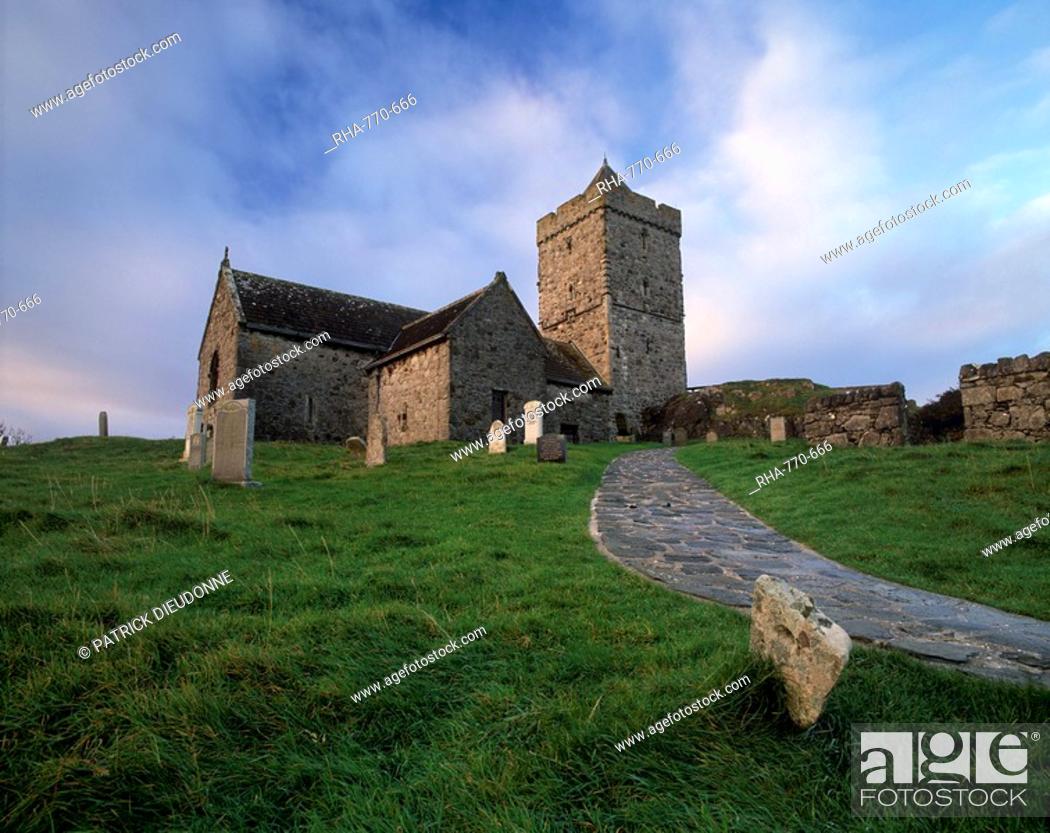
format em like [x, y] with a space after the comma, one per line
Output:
[319, 396]
[871, 415]
[590, 413]
[494, 347]
[1007, 400]
[414, 396]
[610, 282]
[221, 334]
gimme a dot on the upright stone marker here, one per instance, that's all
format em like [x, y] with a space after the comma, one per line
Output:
[194, 422]
[681, 436]
[551, 448]
[533, 422]
[357, 448]
[233, 440]
[195, 457]
[712, 436]
[499, 440]
[777, 429]
[668, 437]
[103, 424]
[375, 454]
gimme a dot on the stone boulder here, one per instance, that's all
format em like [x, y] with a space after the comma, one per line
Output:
[807, 648]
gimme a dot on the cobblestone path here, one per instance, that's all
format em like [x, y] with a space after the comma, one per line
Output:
[656, 517]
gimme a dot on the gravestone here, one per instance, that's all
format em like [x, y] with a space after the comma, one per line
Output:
[499, 441]
[195, 456]
[712, 437]
[356, 447]
[777, 429]
[551, 448]
[103, 424]
[194, 421]
[681, 436]
[233, 440]
[375, 452]
[533, 422]
[668, 437]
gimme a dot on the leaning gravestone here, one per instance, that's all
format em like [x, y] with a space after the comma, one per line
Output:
[533, 422]
[375, 453]
[233, 440]
[551, 448]
[194, 421]
[103, 424]
[681, 436]
[196, 456]
[777, 429]
[668, 437]
[499, 440]
[356, 447]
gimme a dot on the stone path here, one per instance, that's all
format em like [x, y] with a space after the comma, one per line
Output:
[654, 516]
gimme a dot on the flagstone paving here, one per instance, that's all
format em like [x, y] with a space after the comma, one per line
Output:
[656, 517]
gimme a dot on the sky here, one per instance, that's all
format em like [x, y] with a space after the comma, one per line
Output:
[801, 125]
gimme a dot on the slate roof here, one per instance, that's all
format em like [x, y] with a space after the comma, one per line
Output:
[294, 308]
[436, 323]
[565, 363]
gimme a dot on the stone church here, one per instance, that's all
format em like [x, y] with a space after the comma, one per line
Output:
[610, 305]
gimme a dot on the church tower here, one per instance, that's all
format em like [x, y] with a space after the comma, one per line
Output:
[610, 281]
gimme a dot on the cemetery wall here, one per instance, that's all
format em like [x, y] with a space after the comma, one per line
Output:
[318, 396]
[870, 415]
[414, 396]
[1006, 400]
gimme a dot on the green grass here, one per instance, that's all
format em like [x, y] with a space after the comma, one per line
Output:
[235, 713]
[919, 515]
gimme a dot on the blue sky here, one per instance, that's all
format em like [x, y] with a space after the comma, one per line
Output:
[801, 125]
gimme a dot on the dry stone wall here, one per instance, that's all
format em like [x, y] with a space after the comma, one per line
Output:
[864, 416]
[1007, 400]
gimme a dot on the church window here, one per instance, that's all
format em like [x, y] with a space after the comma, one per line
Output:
[310, 414]
[213, 371]
[645, 289]
[568, 244]
[572, 292]
[402, 418]
[499, 405]
[648, 345]
[617, 352]
[645, 239]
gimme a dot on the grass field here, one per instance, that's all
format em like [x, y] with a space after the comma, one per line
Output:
[236, 712]
[920, 515]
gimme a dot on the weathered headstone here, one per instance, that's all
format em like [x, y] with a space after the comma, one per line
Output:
[681, 436]
[195, 456]
[777, 429]
[356, 447]
[712, 437]
[551, 448]
[668, 437]
[194, 421]
[233, 441]
[807, 648]
[103, 424]
[499, 440]
[533, 422]
[3, 441]
[375, 453]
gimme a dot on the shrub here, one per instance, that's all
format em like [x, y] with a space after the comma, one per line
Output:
[939, 420]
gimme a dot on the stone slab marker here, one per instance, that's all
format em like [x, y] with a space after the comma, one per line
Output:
[499, 441]
[233, 441]
[777, 429]
[712, 437]
[668, 437]
[375, 453]
[551, 448]
[807, 648]
[533, 422]
[680, 436]
[194, 423]
[195, 456]
[103, 424]
[356, 447]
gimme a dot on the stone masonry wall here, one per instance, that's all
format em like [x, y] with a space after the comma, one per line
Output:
[1007, 400]
[414, 396]
[221, 334]
[610, 281]
[590, 412]
[494, 347]
[333, 378]
[872, 415]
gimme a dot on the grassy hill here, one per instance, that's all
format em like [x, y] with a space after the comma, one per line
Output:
[238, 712]
[920, 515]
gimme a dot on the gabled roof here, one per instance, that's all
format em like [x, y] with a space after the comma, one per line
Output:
[604, 173]
[279, 306]
[566, 364]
